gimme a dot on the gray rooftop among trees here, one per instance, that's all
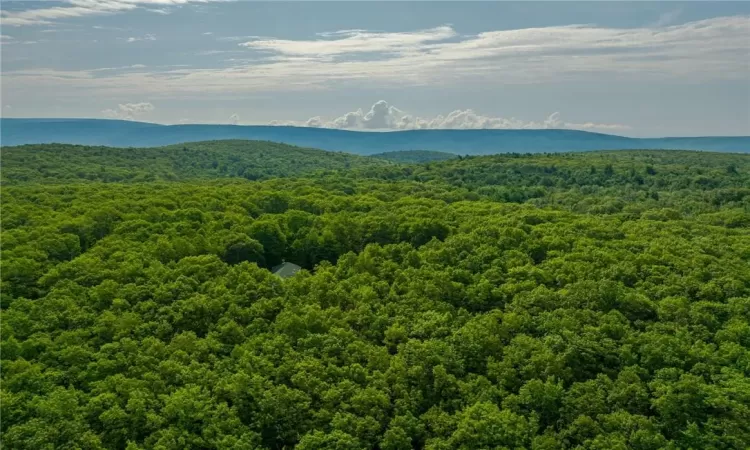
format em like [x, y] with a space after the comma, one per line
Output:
[285, 269]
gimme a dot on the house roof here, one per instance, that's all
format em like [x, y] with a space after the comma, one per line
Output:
[285, 269]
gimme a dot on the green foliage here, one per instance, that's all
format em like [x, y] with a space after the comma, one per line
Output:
[414, 156]
[508, 302]
[252, 160]
[623, 182]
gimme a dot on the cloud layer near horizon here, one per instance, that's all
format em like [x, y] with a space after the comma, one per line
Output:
[383, 116]
[128, 111]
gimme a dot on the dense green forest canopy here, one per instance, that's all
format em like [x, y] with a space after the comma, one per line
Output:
[587, 301]
[252, 160]
[414, 156]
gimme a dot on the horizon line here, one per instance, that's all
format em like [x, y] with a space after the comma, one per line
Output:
[362, 131]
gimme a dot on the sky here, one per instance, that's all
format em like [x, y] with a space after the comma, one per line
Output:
[626, 68]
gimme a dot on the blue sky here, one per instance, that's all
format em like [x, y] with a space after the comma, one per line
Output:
[636, 68]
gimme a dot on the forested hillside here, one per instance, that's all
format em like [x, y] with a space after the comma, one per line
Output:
[599, 182]
[251, 160]
[588, 301]
[414, 156]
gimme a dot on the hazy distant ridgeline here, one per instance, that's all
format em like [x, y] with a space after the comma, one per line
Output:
[138, 134]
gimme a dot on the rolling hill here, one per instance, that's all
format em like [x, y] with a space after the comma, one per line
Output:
[475, 142]
[252, 160]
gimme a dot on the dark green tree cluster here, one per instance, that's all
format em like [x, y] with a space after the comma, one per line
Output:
[432, 313]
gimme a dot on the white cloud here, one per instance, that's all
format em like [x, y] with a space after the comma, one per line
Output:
[720, 46]
[239, 38]
[128, 111]
[99, 27]
[108, 69]
[383, 116]
[216, 52]
[147, 37]
[81, 8]
[9, 40]
[57, 30]
[353, 42]
[234, 119]
[709, 50]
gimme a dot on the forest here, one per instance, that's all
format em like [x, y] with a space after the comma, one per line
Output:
[251, 160]
[595, 300]
[414, 156]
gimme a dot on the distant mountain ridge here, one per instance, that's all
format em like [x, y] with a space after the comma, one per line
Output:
[121, 133]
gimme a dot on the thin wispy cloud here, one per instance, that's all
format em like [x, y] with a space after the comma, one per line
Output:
[216, 52]
[712, 49]
[8, 40]
[147, 37]
[57, 30]
[696, 39]
[100, 27]
[348, 42]
[130, 67]
[82, 8]
[241, 38]
[382, 116]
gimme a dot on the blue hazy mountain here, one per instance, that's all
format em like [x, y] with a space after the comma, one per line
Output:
[120, 133]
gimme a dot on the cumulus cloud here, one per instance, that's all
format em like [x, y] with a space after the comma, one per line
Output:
[81, 8]
[128, 111]
[234, 119]
[383, 116]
